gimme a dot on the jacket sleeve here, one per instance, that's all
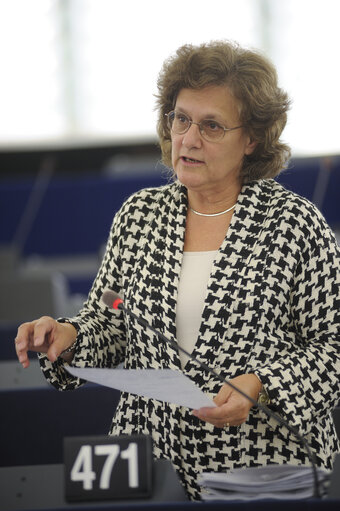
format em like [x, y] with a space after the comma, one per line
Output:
[101, 336]
[305, 386]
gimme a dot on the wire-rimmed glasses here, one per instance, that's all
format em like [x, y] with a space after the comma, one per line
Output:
[210, 130]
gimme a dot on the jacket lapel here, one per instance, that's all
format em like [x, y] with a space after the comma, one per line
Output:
[172, 219]
[232, 286]
[153, 290]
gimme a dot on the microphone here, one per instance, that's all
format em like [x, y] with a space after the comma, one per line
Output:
[114, 301]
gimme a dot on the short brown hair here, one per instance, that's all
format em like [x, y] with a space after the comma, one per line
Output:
[251, 78]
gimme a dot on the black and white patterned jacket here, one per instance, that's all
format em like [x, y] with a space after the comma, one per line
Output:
[272, 307]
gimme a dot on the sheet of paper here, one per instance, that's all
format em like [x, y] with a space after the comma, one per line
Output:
[162, 384]
[284, 482]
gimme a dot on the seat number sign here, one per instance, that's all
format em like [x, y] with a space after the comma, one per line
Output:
[99, 468]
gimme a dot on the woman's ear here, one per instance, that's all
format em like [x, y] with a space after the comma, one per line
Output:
[250, 147]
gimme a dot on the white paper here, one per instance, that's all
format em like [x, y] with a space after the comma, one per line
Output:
[267, 482]
[162, 384]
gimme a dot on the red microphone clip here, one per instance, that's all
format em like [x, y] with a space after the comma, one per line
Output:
[116, 303]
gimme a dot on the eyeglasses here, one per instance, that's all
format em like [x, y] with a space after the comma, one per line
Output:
[210, 130]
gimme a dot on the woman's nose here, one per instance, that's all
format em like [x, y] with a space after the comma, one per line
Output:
[193, 137]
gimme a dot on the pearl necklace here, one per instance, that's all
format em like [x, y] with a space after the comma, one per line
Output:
[213, 214]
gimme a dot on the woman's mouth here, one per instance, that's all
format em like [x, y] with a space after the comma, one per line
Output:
[187, 160]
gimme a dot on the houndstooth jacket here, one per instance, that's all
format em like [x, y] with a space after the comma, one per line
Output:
[271, 308]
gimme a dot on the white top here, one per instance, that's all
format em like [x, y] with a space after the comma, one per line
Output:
[192, 289]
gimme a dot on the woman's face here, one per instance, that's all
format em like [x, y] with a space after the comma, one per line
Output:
[209, 166]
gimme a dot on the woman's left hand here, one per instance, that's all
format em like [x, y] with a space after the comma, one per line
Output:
[232, 408]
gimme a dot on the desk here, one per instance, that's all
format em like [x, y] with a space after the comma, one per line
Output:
[42, 487]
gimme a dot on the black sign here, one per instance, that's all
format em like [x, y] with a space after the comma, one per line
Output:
[108, 467]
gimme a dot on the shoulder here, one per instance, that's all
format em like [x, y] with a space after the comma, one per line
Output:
[270, 197]
[293, 207]
[148, 198]
[145, 204]
[286, 201]
[296, 216]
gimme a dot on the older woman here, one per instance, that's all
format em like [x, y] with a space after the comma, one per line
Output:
[239, 271]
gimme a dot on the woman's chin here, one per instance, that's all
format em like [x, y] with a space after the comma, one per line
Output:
[189, 178]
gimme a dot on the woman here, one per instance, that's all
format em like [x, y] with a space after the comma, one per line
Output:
[241, 272]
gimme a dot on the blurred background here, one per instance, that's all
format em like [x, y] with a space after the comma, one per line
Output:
[77, 137]
[77, 124]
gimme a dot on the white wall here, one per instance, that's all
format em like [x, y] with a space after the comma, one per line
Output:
[79, 69]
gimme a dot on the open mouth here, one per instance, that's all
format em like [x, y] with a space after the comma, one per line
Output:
[190, 160]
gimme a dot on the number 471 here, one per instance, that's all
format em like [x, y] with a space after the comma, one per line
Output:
[82, 469]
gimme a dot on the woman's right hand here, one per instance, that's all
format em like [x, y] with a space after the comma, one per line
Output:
[44, 335]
